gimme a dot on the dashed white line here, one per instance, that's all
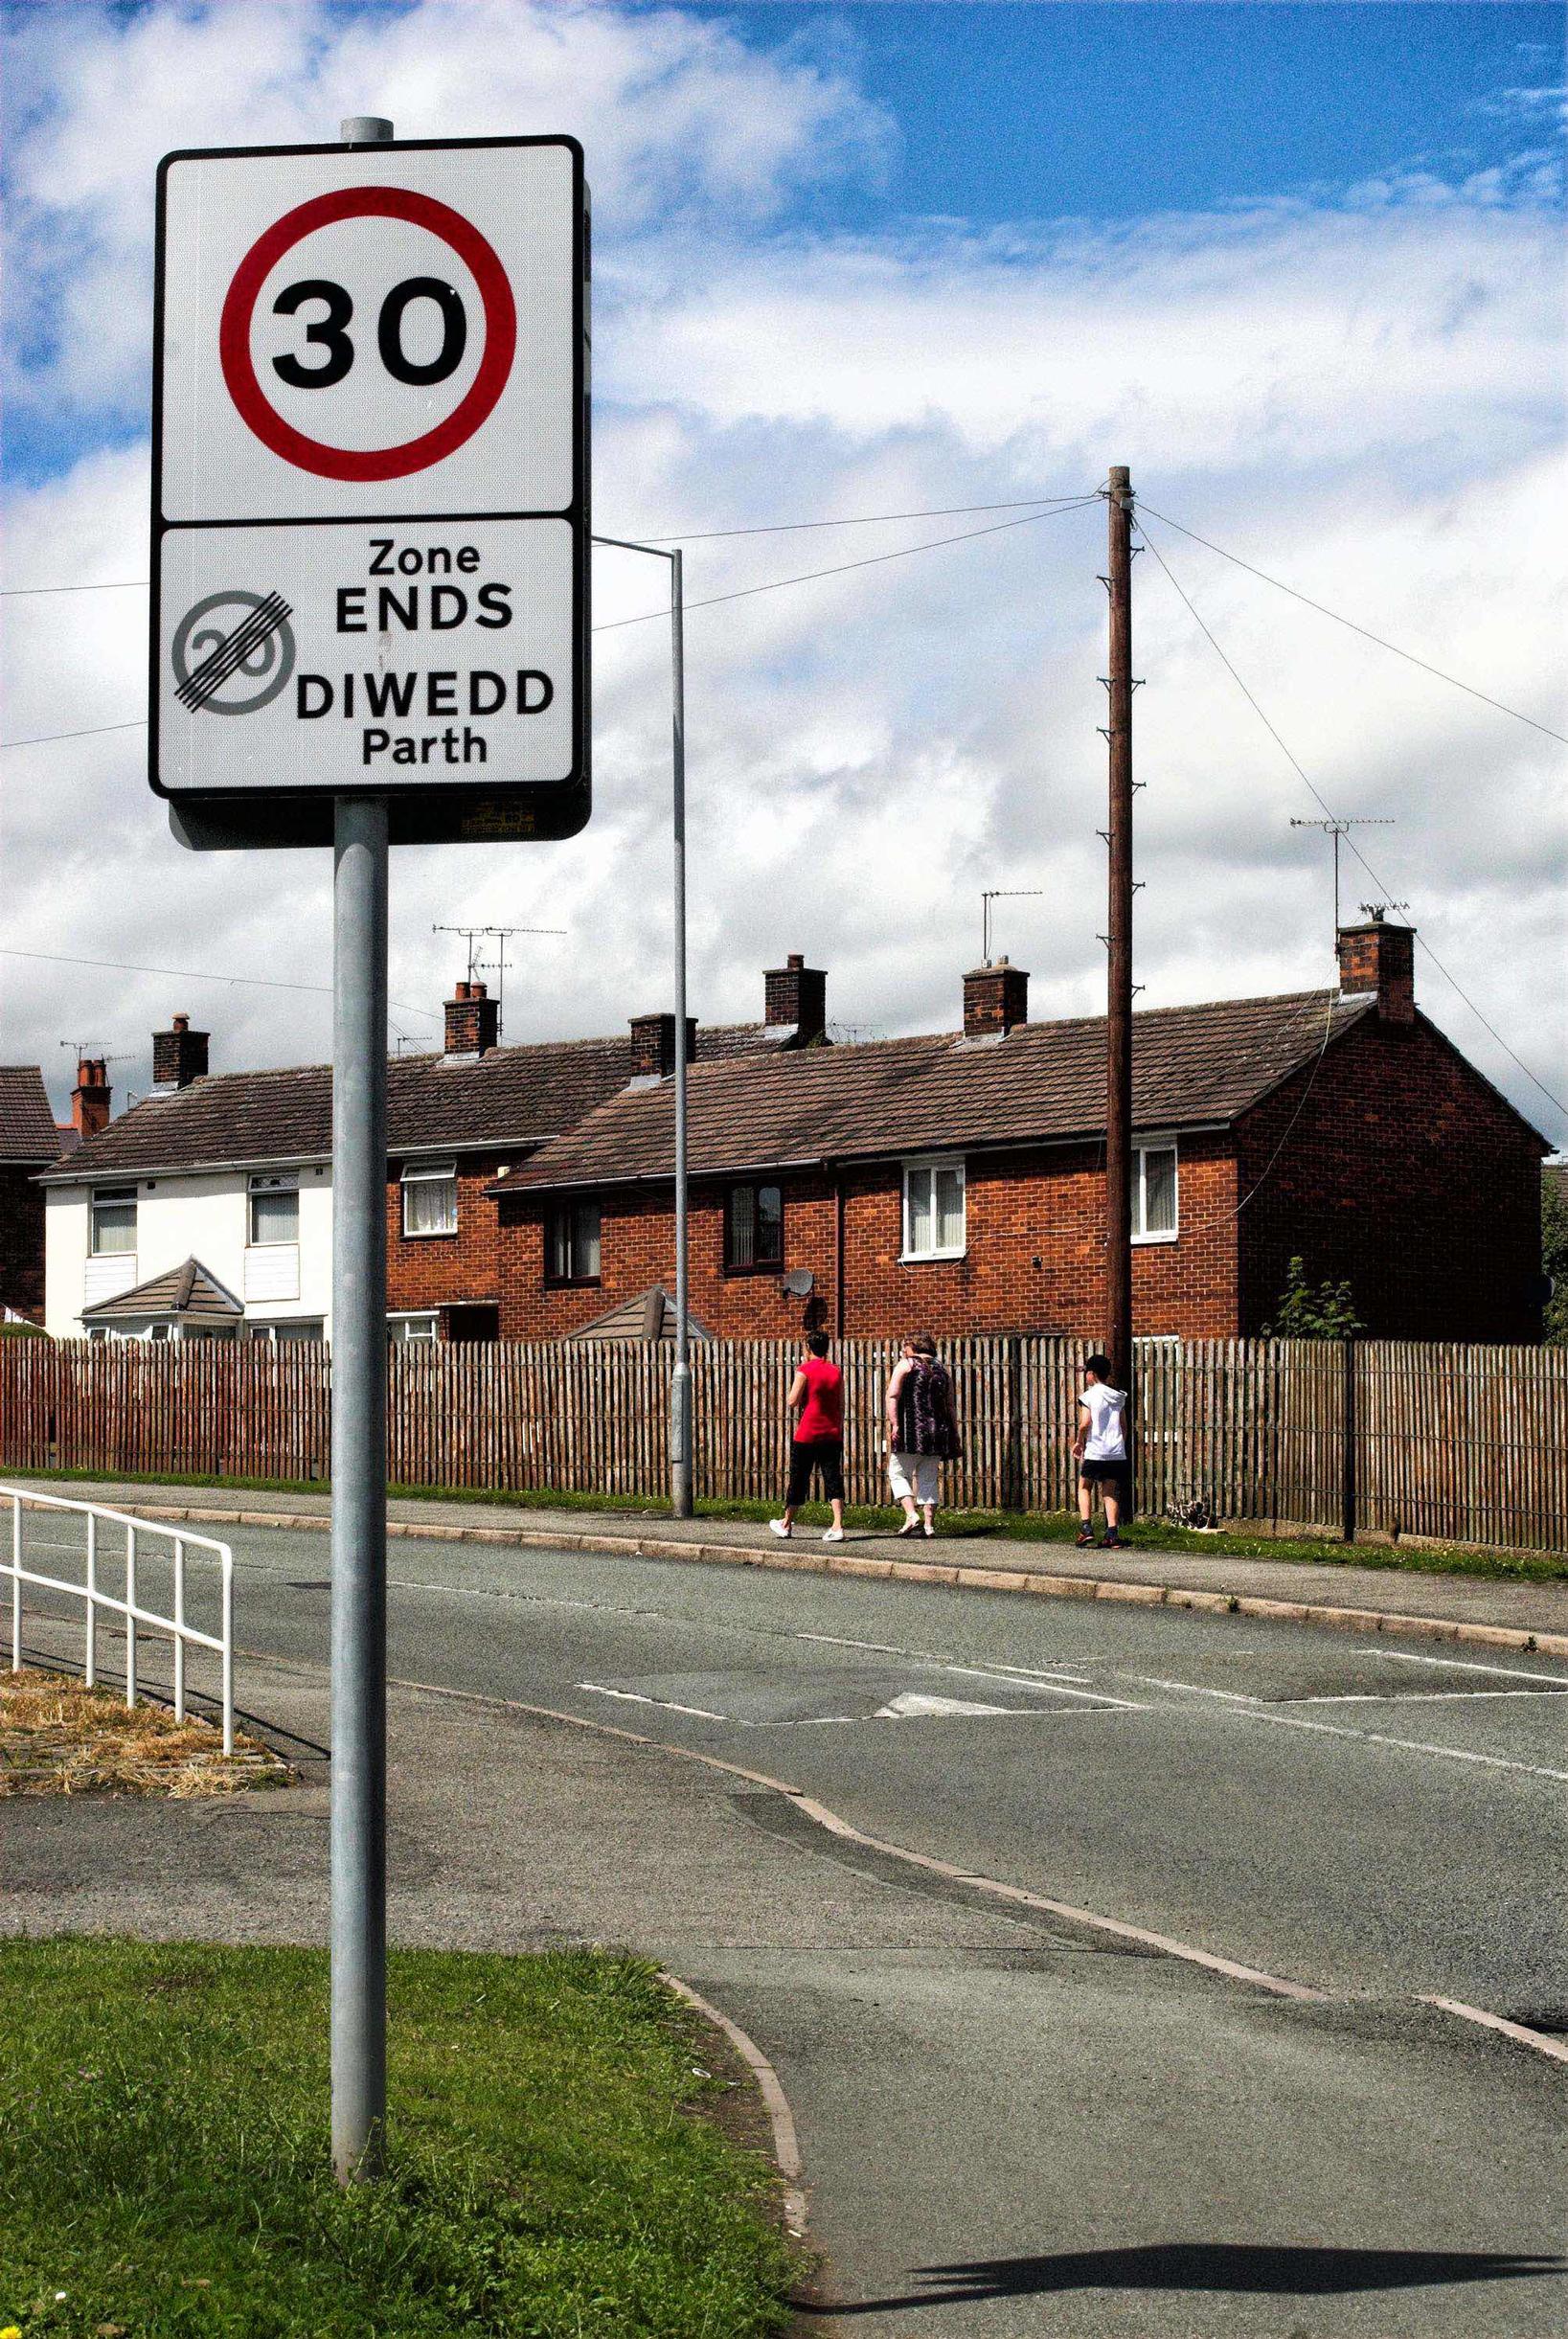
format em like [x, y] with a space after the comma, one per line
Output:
[1415, 1698]
[1465, 1664]
[671, 1705]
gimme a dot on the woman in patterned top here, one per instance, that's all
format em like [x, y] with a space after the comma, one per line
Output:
[921, 1431]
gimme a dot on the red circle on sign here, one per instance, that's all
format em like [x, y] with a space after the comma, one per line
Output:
[478, 400]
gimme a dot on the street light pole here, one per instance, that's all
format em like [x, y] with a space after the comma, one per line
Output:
[680, 1382]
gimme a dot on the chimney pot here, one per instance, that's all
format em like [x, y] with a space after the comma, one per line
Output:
[796, 994]
[179, 1055]
[995, 998]
[473, 1020]
[1381, 958]
[90, 1096]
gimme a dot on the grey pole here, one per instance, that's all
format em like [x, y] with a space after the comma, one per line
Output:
[680, 1385]
[680, 1380]
[359, 1472]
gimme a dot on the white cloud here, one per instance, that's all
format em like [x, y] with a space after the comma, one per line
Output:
[1363, 396]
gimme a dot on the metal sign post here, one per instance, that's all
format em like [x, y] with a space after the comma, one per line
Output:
[369, 564]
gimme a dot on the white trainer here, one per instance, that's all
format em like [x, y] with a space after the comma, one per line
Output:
[778, 1528]
[835, 1534]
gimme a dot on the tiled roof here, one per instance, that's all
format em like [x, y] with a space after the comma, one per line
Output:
[510, 1095]
[188, 1290]
[1044, 1080]
[649, 1315]
[27, 1123]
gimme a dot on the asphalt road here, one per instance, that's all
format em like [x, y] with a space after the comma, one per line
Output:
[1014, 2122]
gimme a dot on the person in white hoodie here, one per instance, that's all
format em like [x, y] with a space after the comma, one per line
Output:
[1101, 1450]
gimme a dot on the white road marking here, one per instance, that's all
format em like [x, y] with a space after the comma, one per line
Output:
[1538, 2039]
[1376, 1737]
[921, 1701]
[671, 1705]
[1465, 1664]
[1012, 1679]
[1194, 1689]
[1415, 1698]
[930, 1656]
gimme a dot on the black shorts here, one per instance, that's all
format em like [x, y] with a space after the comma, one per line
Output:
[808, 1454]
[1111, 1475]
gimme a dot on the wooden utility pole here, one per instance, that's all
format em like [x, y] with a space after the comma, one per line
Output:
[1119, 941]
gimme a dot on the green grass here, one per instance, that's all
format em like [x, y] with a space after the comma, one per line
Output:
[164, 2160]
[956, 1526]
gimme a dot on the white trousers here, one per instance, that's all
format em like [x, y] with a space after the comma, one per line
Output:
[913, 1474]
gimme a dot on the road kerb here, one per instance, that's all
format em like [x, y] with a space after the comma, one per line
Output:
[787, 2148]
[805, 1559]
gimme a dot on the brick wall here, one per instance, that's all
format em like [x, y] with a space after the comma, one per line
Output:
[1046, 1206]
[1407, 1174]
[22, 1239]
[446, 1270]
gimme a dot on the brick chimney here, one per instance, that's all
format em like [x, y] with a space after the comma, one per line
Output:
[179, 1055]
[90, 1096]
[1381, 958]
[796, 994]
[995, 997]
[473, 1020]
[653, 1046]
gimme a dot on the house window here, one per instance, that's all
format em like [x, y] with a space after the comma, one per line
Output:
[754, 1228]
[430, 1198]
[934, 1209]
[274, 1210]
[1154, 1191]
[571, 1244]
[407, 1329]
[291, 1327]
[114, 1219]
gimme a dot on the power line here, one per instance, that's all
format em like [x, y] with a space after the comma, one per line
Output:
[1365, 632]
[1320, 799]
[864, 519]
[189, 974]
[872, 560]
[745, 592]
[92, 732]
[121, 585]
[705, 535]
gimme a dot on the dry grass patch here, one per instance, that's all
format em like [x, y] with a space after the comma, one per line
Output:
[59, 1737]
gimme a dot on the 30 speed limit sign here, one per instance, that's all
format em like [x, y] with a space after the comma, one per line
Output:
[369, 531]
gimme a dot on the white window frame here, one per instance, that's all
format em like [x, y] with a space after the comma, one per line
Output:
[428, 1174]
[926, 1164]
[400, 1325]
[119, 1195]
[283, 1182]
[1142, 1145]
[287, 1327]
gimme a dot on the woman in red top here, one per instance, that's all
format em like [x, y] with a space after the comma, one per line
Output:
[817, 1394]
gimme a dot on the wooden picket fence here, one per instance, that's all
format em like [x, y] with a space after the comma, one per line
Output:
[1433, 1440]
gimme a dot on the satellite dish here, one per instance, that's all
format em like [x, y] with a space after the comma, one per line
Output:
[799, 1283]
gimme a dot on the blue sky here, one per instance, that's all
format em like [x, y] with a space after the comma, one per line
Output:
[1299, 266]
[1110, 111]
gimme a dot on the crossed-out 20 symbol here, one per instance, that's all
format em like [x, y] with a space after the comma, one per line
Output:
[236, 665]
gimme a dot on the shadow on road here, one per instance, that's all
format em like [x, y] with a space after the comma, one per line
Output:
[1260, 2267]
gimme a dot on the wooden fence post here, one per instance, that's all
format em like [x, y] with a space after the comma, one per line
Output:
[1348, 1477]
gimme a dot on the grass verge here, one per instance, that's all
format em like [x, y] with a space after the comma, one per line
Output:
[957, 1526]
[164, 2157]
[59, 1737]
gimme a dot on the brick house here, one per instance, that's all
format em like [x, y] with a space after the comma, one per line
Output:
[223, 1182]
[30, 1140]
[956, 1181]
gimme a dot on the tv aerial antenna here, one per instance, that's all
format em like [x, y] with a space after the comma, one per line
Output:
[1001, 892]
[1336, 829]
[475, 937]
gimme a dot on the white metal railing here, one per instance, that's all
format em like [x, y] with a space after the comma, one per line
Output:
[177, 1627]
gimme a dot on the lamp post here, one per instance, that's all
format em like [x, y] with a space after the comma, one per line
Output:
[680, 1380]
